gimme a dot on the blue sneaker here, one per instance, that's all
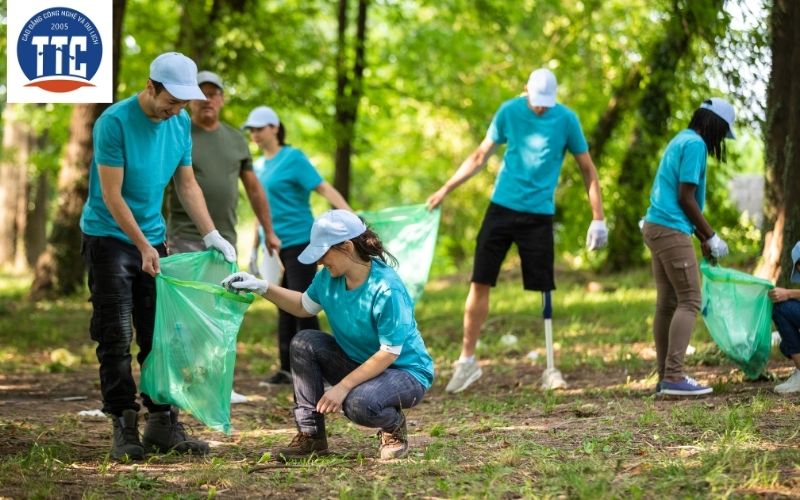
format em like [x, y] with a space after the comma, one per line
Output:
[658, 387]
[686, 387]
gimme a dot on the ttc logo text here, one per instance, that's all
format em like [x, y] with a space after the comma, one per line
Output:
[59, 50]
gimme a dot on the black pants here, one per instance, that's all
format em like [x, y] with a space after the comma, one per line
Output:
[296, 276]
[123, 298]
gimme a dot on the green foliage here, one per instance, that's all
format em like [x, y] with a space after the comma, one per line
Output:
[3, 43]
[436, 72]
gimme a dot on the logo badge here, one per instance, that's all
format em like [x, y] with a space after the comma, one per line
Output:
[60, 52]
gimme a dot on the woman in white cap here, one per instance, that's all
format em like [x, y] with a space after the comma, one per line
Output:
[786, 315]
[675, 213]
[376, 360]
[288, 178]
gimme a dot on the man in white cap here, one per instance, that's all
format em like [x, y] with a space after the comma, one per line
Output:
[140, 144]
[220, 157]
[538, 131]
[786, 315]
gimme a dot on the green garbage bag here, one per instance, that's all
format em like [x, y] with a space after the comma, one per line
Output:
[409, 233]
[194, 342]
[738, 313]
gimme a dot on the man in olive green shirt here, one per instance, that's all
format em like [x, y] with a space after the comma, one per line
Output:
[220, 156]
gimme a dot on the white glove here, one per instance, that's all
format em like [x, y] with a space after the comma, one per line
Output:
[253, 265]
[717, 246]
[597, 235]
[216, 241]
[245, 282]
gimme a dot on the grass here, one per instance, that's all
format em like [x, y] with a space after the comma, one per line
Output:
[502, 438]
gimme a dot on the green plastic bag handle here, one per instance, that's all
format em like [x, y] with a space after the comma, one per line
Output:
[218, 290]
[726, 275]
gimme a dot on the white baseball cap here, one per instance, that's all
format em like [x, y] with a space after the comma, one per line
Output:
[261, 117]
[209, 77]
[795, 257]
[724, 110]
[178, 74]
[542, 87]
[331, 228]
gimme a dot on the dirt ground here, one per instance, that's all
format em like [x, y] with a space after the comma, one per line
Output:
[50, 402]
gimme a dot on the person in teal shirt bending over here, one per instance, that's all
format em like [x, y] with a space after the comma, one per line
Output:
[288, 178]
[140, 144]
[538, 132]
[376, 359]
[675, 212]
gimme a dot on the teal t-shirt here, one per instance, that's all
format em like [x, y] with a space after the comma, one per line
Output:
[288, 179]
[684, 161]
[534, 155]
[379, 312]
[149, 152]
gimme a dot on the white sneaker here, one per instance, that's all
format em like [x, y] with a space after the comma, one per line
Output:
[552, 379]
[464, 374]
[238, 398]
[792, 384]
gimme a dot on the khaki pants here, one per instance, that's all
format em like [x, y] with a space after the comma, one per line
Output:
[677, 280]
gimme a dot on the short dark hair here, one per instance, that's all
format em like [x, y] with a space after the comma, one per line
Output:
[158, 86]
[713, 129]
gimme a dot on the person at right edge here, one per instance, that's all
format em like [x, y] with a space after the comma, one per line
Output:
[786, 315]
[675, 213]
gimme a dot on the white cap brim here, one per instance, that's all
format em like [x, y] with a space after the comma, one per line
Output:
[312, 253]
[256, 125]
[185, 92]
[547, 101]
[795, 276]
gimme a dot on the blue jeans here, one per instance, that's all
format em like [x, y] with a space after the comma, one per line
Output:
[376, 403]
[786, 316]
[123, 298]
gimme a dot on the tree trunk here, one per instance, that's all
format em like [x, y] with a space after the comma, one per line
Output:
[623, 99]
[60, 270]
[349, 90]
[36, 228]
[18, 140]
[782, 133]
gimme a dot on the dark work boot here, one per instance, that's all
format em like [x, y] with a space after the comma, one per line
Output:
[163, 433]
[303, 445]
[125, 442]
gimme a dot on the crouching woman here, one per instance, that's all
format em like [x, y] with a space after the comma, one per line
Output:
[376, 361]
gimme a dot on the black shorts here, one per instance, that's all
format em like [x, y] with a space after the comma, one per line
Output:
[533, 234]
